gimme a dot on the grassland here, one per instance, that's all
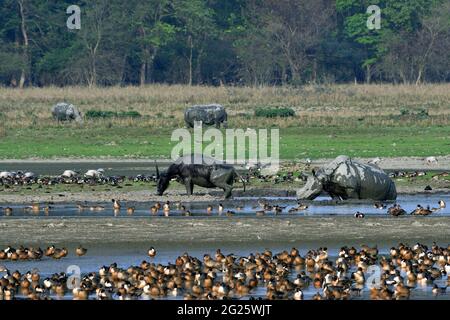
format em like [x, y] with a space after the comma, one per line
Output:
[358, 120]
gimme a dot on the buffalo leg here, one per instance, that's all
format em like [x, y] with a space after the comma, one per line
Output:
[226, 188]
[189, 186]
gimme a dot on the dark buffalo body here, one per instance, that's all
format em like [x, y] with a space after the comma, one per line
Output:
[204, 175]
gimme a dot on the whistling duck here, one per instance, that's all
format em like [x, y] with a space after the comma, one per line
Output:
[80, 251]
[396, 210]
[359, 215]
[151, 252]
[116, 204]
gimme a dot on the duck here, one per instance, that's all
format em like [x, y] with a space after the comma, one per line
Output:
[302, 206]
[401, 291]
[441, 206]
[151, 252]
[396, 210]
[277, 209]
[379, 205]
[130, 210]
[154, 210]
[49, 251]
[438, 290]
[209, 209]
[359, 215]
[60, 253]
[358, 276]
[116, 204]
[260, 213]
[220, 209]
[8, 211]
[421, 211]
[35, 207]
[230, 213]
[166, 207]
[80, 251]
[47, 209]
[187, 213]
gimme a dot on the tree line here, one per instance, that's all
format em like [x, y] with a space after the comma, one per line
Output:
[214, 42]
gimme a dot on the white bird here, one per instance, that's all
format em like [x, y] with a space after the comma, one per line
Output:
[431, 160]
[375, 161]
[94, 173]
[69, 174]
[6, 174]
[298, 295]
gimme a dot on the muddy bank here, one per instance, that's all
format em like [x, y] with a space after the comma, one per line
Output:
[211, 230]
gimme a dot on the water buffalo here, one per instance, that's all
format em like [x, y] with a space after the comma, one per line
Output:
[215, 175]
[212, 114]
[344, 178]
[66, 112]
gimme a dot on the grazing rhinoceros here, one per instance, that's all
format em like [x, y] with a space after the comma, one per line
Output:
[212, 114]
[344, 178]
[66, 112]
[203, 172]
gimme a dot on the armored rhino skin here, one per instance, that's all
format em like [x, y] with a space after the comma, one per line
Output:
[211, 114]
[66, 112]
[344, 178]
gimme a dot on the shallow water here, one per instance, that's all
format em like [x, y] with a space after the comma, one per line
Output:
[134, 254]
[247, 206]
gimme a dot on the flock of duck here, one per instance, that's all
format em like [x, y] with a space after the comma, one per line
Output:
[261, 209]
[283, 275]
[23, 253]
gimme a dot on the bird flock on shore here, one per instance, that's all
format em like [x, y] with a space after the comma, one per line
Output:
[283, 275]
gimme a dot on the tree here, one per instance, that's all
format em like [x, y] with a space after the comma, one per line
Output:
[152, 31]
[197, 25]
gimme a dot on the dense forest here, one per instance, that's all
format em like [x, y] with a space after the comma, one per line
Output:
[214, 42]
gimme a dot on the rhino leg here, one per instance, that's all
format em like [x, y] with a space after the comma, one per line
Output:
[351, 193]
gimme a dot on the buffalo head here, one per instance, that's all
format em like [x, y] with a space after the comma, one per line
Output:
[163, 181]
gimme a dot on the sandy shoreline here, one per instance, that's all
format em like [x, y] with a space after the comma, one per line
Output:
[211, 230]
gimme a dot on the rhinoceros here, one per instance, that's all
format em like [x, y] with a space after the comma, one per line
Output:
[212, 114]
[66, 112]
[344, 178]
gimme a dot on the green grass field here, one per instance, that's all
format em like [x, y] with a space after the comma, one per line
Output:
[295, 143]
[363, 121]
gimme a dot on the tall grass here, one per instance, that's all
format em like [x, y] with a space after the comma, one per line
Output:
[163, 105]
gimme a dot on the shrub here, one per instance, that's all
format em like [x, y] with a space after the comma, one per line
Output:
[94, 114]
[282, 112]
[404, 112]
